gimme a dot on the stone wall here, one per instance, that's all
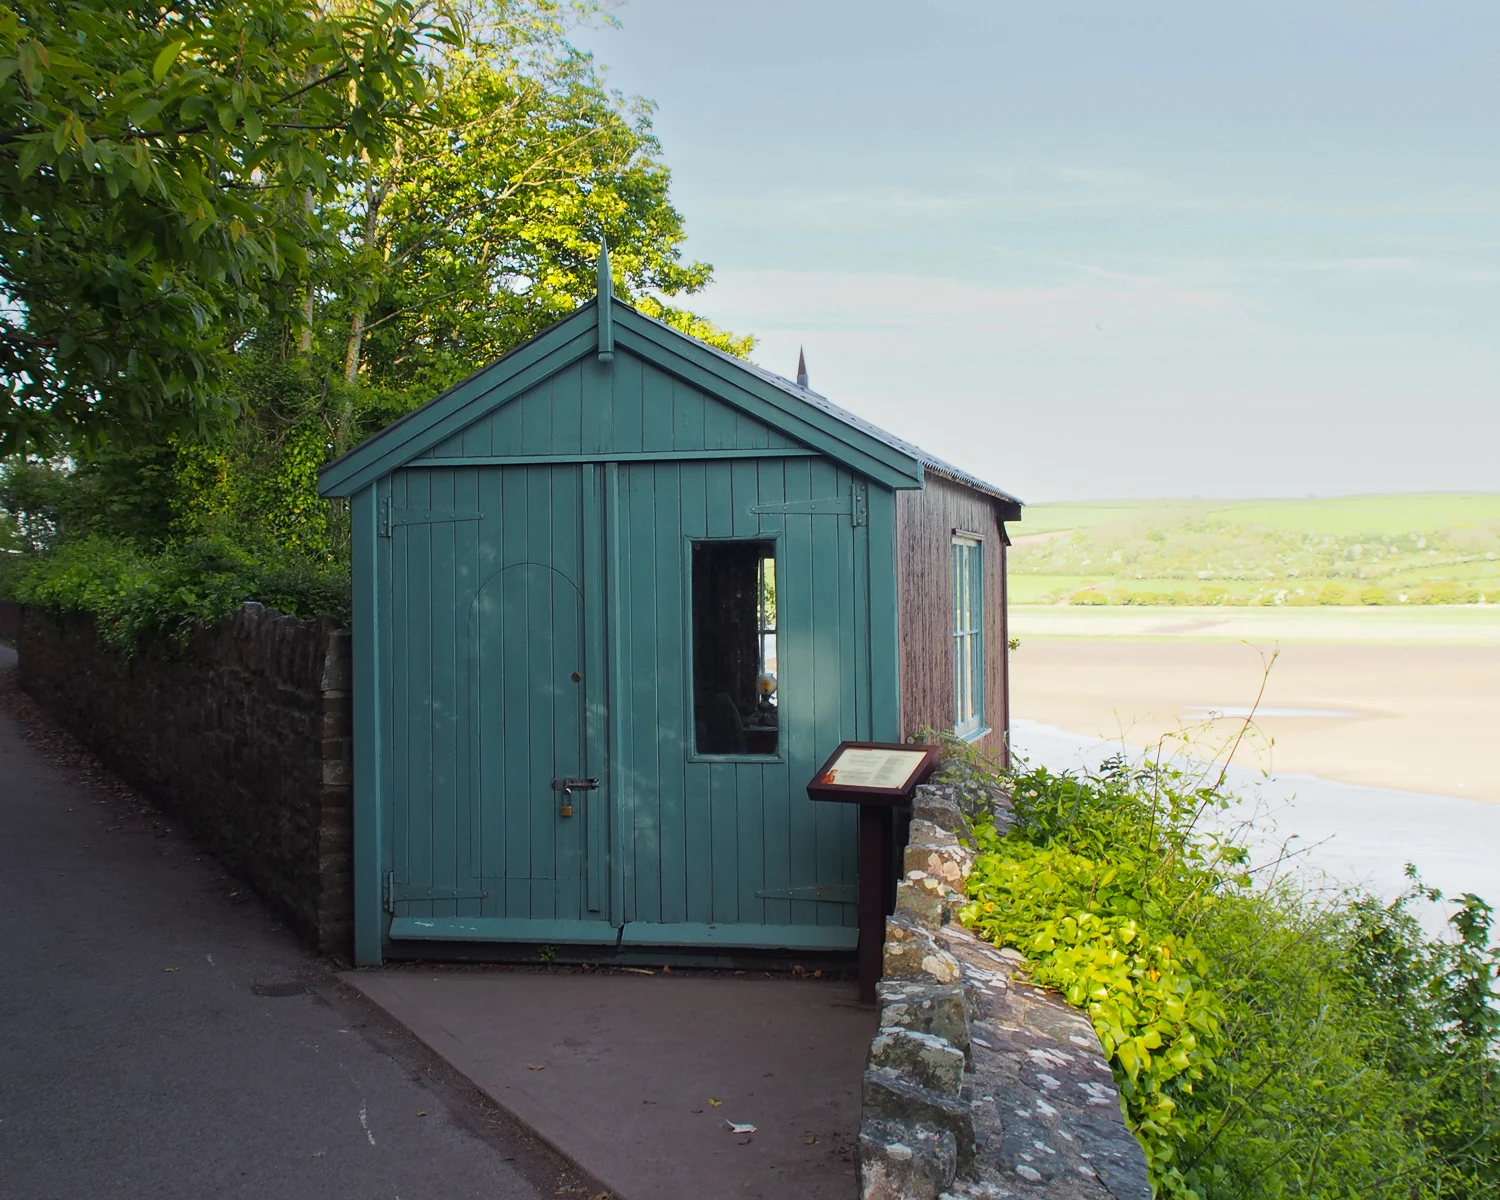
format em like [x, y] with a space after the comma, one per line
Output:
[243, 735]
[978, 1084]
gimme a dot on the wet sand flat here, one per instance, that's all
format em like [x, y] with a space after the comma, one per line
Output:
[1417, 716]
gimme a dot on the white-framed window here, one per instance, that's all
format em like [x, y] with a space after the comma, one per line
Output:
[968, 635]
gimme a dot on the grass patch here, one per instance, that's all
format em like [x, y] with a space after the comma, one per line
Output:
[1362, 550]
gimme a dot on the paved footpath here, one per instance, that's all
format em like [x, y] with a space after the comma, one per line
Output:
[161, 1035]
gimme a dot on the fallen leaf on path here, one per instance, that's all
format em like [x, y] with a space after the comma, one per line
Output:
[735, 1127]
[712, 1103]
[536, 1066]
[423, 1113]
[169, 970]
[809, 1140]
[638, 970]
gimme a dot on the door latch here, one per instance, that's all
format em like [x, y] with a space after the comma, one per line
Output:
[567, 786]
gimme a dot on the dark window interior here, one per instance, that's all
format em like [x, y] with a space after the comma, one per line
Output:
[734, 647]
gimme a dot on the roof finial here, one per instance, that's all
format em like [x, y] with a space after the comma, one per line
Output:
[801, 368]
[606, 294]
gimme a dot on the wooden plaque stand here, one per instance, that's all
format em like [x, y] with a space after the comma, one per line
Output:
[879, 777]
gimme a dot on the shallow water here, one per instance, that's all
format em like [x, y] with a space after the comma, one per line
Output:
[1344, 833]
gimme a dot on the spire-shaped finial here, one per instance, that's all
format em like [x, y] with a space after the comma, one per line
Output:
[606, 287]
[801, 368]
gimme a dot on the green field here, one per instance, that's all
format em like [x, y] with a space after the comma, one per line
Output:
[1348, 550]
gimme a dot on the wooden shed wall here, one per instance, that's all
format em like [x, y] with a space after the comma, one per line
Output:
[925, 523]
[635, 409]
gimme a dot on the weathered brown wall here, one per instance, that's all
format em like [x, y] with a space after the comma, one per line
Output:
[925, 521]
[243, 735]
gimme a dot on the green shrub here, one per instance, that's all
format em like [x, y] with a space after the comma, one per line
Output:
[135, 593]
[1266, 1044]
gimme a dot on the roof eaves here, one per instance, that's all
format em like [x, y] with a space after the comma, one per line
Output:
[929, 461]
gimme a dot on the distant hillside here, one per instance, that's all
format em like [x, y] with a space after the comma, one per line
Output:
[1422, 549]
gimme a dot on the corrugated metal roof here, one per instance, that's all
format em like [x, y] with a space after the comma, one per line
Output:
[930, 462]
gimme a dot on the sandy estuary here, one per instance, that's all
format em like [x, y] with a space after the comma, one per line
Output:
[1387, 733]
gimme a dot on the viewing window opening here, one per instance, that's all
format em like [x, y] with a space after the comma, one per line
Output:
[968, 637]
[734, 648]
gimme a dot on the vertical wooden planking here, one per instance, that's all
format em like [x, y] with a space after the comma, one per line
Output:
[567, 696]
[567, 410]
[688, 416]
[487, 718]
[828, 534]
[645, 767]
[598, 406]
[926, 520]
[505, 427]
[693, 480]
[466, 580]
[618, 653]
[371, 599]
[775, 849]
[515, 709]
[471, 441]
[536, 418]
[798, 705]
[598, 763]
[719, 505]
[445, 699]
[885, 664]
[840, 829]
[542, 649]
[671, 719]
[750, 434]
[723, 794]
[419, 670]
[403, 719]
[657, 416]
[720, 426]
[626, 407]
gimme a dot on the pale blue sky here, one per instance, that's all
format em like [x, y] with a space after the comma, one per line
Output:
[1088, 249]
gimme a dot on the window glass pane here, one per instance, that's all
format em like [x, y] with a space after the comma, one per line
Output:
[968, 638]
[734, 648]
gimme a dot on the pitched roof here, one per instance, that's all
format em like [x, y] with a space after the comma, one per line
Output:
[930, 461]
[405, 438]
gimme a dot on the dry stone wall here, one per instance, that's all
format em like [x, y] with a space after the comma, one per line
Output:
[243, 735]
[978, 1084]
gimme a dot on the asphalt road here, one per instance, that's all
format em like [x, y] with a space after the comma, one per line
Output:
[162, 1035]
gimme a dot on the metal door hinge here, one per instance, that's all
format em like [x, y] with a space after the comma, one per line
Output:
[385, 516]
[861, 502]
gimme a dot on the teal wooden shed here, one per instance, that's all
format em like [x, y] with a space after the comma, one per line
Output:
[616, 596]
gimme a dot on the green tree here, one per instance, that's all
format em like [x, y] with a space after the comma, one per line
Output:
[160, 167]
[483, 225]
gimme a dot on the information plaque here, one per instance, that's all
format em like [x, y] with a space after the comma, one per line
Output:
[884, 773]
[879, 777]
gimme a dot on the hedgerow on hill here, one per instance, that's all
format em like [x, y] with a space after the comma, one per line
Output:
[1268, 1044]
[1270, 553]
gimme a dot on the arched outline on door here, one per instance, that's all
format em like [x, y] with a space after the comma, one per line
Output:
[469, 754]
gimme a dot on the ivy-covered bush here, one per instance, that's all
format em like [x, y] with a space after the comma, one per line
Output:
[134, 593]
[1267, 1043]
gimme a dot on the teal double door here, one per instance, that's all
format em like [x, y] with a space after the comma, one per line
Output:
[546, 772]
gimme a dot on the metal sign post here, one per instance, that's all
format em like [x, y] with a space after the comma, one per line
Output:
[879, 777]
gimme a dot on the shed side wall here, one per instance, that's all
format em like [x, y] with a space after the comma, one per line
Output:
[925, 522]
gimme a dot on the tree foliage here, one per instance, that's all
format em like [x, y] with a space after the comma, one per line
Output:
[238, 239]
[160, 170]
